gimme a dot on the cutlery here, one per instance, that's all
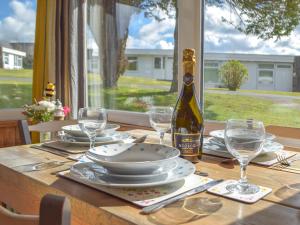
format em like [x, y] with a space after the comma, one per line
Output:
[159, 205]
[50, 150]
[40, 166]
[284, 163]
[141, 139]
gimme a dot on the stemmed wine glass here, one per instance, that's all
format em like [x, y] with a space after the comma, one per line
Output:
[91, 121]
[244, 139]
[160, 120]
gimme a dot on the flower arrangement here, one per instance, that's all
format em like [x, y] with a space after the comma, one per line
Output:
[46, 109]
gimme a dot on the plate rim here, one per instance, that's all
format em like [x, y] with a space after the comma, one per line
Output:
[156, 183]
[155, 161]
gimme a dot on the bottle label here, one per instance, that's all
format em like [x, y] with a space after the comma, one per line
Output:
[188, 144]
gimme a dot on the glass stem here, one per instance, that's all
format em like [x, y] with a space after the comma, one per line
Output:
[243, 179]
[92, 141]
[161, 137]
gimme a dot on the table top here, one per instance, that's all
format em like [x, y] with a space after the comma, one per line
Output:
[23, 192]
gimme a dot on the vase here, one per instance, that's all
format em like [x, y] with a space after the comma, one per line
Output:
[45, 136]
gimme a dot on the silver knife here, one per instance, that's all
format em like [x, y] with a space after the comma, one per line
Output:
[159, 205]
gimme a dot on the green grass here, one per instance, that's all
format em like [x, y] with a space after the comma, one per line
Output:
[24, 73]
[136, 94]
[261, 92]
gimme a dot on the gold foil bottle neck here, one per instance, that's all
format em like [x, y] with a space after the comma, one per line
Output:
[189, 61]
[189, 55]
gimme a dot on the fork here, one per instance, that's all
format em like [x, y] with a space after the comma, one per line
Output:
[285, 163]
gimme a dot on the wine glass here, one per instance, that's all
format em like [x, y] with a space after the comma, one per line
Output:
[160, 120]
[91, 121]
[244, 139]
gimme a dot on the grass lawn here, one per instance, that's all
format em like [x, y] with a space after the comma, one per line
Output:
[136, 94]
[25, 73]
[285, 93]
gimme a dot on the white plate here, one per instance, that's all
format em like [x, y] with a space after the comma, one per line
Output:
[214, 145]
[162, 173]
[220, 135]
[82, 171]
[113, 138]
[133, 158]
[75, 130]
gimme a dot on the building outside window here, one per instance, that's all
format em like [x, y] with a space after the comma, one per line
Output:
[211, 73]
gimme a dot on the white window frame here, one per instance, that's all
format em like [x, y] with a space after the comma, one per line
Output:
[190, 35]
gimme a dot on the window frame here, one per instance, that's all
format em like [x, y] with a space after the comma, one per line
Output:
[136, 60]
[190, 21]
[5, 57]
[160, 63]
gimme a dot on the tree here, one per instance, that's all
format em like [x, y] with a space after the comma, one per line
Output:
[265, 19]
[233, 74]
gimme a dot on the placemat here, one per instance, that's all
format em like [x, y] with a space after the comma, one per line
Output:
[66, 147]
[145, 196]
[220, 189]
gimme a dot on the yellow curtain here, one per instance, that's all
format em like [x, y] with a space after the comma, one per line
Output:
[44, 49]
[43, 64]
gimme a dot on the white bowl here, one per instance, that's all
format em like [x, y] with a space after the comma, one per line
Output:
[75, 130]
[133, 158]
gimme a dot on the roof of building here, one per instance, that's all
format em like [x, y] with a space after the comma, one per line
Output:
[218, 56]
[13, 51]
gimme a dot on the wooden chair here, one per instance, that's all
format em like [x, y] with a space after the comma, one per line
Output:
[54, 210]
[52, 126]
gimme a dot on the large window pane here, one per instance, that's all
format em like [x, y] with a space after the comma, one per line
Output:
[132, 42]
[262, 39]
[17, 29]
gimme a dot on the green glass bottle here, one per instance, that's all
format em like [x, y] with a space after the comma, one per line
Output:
[187, 120]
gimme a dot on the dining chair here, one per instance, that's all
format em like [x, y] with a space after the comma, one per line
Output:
[51, 126]
[54, 210]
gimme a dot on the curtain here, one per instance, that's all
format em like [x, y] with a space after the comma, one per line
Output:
[60, 51]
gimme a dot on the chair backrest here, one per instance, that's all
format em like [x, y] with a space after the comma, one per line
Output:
[51, 126]
[11, 133]
[54, 210]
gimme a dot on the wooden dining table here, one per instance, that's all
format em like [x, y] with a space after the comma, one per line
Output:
[23, 191]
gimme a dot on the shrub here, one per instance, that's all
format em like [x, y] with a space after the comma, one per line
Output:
[233, 73]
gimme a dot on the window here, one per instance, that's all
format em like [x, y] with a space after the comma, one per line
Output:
[270, 92]
[17, 46]
[211, 74]
[132, 63]
[157, 62]
[15, 61]
[131, 78]
[265, 76]
[6, 58]
[19, 61]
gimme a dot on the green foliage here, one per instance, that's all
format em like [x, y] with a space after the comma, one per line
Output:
[264, 19]
[233, 74]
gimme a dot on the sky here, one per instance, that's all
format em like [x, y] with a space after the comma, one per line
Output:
[17, 23]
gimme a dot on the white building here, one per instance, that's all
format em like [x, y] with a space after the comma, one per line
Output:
[11, 59]
[266, 72]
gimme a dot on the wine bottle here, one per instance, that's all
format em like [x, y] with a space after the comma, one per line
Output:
[187, 119]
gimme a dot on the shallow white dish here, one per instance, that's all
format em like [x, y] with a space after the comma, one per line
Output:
[162, 173]
[220, 135]
[215, 145]
[133, 158]
[115, 137]
[83, 171]
[75, 130]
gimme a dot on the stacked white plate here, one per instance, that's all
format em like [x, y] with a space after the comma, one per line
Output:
[133, 165]
[73, 135]
[217, 143]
